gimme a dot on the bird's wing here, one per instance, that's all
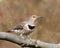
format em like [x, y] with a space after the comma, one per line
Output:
[18, 27]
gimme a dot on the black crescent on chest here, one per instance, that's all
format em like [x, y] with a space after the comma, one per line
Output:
[31, 27]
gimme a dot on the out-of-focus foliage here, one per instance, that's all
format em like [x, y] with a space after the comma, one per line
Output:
[12, 12]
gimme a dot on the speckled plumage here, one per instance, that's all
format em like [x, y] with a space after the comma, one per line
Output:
[25, 27]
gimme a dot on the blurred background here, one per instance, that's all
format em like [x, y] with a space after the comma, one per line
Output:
[12, 12]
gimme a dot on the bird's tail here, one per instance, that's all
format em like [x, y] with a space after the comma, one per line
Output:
[10, 31]
[16, 31]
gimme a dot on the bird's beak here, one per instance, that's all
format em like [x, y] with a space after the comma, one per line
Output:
[40, 17]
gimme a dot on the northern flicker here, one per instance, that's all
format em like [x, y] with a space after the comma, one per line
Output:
[26, 27]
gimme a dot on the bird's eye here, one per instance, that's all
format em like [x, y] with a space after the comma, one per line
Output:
[34, 16]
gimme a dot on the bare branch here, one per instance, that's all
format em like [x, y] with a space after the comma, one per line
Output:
[29, 42]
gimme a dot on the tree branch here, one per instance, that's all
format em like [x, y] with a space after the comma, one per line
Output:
[26, 41]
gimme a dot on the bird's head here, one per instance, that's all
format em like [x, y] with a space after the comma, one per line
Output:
[34, 17]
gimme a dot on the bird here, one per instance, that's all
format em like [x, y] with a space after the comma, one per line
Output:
[26, 27]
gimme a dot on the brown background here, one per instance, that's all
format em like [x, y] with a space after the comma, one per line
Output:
[12, 12]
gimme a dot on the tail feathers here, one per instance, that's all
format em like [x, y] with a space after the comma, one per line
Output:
[10, 31]
[16, 31]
